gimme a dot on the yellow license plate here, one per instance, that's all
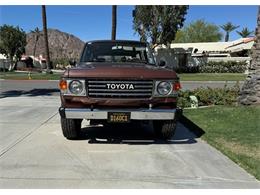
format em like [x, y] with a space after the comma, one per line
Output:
[118, 117]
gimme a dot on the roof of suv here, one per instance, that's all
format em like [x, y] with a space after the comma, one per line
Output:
[117, 41]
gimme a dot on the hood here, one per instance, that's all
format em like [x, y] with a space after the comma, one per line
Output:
[117, 70]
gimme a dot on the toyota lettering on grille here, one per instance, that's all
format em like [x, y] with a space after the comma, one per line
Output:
[127, 86]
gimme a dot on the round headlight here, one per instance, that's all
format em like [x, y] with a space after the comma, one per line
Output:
[76, 87]
[164, 88]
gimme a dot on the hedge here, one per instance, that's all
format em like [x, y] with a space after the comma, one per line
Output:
[223, 67]
[215, 67]
[210, 96]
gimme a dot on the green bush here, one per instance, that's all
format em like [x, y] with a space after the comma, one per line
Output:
[210, 96]
[187, 69]
[223, 67]
[61, 62]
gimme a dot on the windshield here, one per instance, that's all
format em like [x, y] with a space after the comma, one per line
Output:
[117, 52]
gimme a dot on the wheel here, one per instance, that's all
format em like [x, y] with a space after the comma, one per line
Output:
[164, 129]
[71, 128]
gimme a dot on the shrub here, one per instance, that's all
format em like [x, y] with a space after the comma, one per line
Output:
[60, 63]
[187, 69]
[215, 67]
[223, 67]
[210, 96]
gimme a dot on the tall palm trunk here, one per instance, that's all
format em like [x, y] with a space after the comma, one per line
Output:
[45, 34]
[35, 45]
[250, 93]
[228, 27]
[113, 33]
[227, 37]
[37, 35]
[34, 50]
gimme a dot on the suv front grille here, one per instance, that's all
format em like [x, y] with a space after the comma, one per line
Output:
[120, 88]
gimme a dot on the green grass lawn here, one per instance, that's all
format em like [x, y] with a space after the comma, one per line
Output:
[235, 131]
[212, 77]
[34, 76]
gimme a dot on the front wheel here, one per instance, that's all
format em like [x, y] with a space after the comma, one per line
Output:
[71, 128]
[165, 129]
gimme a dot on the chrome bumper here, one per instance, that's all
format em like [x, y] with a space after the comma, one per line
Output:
[136, 114]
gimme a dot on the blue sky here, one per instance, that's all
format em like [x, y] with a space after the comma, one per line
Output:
[94, 22]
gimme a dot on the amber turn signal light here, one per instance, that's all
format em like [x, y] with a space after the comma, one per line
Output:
[176, 86]
[63, 85]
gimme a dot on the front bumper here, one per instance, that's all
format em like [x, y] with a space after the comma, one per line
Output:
[136, 114]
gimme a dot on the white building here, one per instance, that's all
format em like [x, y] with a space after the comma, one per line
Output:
[192, 54]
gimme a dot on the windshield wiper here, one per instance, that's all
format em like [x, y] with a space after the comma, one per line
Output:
[97, 60]
[137, 61]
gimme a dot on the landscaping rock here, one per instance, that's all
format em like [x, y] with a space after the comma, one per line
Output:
[245, 102]
[252, 98]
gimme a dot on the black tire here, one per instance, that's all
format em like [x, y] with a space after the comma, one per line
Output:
[71, 128]
[164, 129]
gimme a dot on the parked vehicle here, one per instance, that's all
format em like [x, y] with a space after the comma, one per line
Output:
[119, 82]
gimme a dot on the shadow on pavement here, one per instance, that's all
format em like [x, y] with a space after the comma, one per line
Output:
[31, 93]
[192, 126]
[134, 134]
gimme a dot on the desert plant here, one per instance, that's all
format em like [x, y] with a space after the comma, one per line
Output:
[228, 27]
[245, 32]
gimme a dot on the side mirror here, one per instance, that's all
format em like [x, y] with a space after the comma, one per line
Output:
[162, 63]
[72, 62]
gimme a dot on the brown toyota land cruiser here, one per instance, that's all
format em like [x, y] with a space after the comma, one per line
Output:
[119, 82]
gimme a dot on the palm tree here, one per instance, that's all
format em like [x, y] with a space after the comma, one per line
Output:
[250, 91]
[37, 34]
[228, 27]
[45, 34]
[245, 32]
[113, 33]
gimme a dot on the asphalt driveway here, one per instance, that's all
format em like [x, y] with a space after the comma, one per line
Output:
[34, 154]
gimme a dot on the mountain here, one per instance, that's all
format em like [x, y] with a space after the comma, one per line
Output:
[61, 45]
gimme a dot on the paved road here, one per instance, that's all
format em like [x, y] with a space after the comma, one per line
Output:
[13, 88]
[34, 154]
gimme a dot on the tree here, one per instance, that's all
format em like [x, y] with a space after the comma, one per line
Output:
[198, 31]
[245, 32]
[158, 23]
[250, 92]
[12, 43]
[114, 20]
[228, 27]
[45, 34]
[37, 34]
